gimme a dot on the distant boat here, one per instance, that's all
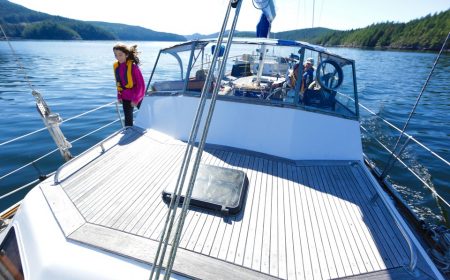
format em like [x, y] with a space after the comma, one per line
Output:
[272, 166]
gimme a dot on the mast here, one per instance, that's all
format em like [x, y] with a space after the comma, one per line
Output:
[263, 30]
[314, 4]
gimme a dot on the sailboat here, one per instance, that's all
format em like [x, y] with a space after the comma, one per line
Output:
[231, 171]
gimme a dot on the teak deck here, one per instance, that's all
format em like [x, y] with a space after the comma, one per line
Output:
[301, 220]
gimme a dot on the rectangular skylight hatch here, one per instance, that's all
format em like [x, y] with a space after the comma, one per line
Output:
[216, 188]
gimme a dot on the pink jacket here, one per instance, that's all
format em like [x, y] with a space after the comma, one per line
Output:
[136, 93]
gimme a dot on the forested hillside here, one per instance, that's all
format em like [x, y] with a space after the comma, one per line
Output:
[307, 34]
[427, 33]
[22, 23]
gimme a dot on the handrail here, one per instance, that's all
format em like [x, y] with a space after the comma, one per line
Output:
[42, 157]
[54, 150]
[33, 162]
[56, 178]
[413, 257]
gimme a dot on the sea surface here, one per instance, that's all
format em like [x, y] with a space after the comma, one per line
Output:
[76, 76]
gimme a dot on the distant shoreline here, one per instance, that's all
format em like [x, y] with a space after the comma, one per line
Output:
[447, 50]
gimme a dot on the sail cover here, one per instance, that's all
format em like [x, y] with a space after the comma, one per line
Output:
[267, 7]
[263, 27]
[268, 15]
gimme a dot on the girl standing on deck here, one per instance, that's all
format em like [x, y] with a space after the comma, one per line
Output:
[129, 80]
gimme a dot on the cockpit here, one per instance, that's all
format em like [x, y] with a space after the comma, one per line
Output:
[269, 72]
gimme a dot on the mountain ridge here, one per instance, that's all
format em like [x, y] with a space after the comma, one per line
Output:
[20, 22]
[426, 33]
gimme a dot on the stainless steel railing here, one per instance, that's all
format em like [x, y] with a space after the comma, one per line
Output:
[34, 162]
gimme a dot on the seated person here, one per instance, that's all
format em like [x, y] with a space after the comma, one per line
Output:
[307, 77]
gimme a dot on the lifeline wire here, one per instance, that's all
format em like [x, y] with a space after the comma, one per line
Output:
[391, 161]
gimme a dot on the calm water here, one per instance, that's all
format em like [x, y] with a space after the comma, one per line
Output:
[75, 77]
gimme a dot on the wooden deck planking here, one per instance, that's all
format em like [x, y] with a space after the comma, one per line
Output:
[131, 188]
[299, 221]
[343, 217]
[382, 240]
[239, 163]
[208, 217]
[283, 226]
[364, 247]
[383, 218]
[304, 230]
[340, 248]
[147, 202]
[77, 189]
[113, 190]
[371, 219]
[352, 216]
[249, 219]
[247, 213]
[290, 217]
[311, 227]
[262, 241]
[227, 236]
[80, 185]
[326, 228]
[335, 228]
[149, 197]
[274, 223]
[81, 178]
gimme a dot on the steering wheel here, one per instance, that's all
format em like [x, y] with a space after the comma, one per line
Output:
[329, 74]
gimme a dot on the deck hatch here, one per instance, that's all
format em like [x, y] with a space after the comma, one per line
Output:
[216, 188]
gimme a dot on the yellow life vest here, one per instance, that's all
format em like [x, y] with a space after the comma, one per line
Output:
[128, 83]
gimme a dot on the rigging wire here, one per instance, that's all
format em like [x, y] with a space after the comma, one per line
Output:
[16, 58]
[433, 191]
[170, 217]
[320, 14]
[391, 161]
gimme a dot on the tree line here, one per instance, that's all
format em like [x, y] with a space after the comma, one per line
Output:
[22, 23]
[427, 33]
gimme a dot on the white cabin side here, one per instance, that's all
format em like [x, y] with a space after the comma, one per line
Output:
[299, 134]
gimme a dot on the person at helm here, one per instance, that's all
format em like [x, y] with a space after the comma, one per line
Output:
[307, 76]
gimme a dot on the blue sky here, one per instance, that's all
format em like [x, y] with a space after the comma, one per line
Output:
[206, 16]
